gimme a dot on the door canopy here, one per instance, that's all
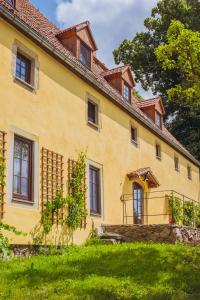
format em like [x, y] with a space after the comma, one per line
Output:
[145, 174]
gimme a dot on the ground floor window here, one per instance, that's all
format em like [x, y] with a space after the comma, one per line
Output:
[22, 169]
[95, 190]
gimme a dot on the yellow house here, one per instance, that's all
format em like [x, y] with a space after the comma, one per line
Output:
[58, 99]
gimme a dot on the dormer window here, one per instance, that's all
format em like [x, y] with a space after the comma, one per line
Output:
[85, 55]
[158, 120]
[127, 92]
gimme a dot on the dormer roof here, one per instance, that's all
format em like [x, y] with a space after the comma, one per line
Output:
[125, 72]
[83, 31]
[156, 102]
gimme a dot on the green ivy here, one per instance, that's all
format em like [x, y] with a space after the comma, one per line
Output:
[72, 206]
[188, 213]
[4, 242]
[175, 209]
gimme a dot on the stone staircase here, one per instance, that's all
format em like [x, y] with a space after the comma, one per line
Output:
[109, 237]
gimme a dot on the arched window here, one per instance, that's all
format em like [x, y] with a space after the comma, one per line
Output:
[138, 196]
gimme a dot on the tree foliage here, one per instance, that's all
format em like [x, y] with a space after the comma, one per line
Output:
[140, 53]
[182, 53]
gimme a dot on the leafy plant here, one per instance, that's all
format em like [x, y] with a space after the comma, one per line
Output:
[188, 213]
[72, 207]
[175, 209]
[4, 242]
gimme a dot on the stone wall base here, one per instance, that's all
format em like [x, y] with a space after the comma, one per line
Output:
[155, 233]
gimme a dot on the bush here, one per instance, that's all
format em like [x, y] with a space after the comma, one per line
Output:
[188, 213]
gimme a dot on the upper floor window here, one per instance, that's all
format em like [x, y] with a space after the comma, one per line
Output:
[127, 92]
[23, 68]
[93, 113]
[176, 163]
[22, 169]
[158, 151]
[134, 135]
[95, 190]
[85, 55]
[158, 120]
[189, 172]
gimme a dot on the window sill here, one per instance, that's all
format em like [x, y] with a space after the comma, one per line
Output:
[158, 158]
[21, 201]
[95, 126]
[134, 143]
[26, 84]
[93, 214]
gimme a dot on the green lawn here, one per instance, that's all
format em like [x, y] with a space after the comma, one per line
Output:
[127, 271]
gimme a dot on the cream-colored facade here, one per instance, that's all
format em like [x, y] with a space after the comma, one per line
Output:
[54, 115]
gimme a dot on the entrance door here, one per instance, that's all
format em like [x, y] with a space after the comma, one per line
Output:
[137, 204]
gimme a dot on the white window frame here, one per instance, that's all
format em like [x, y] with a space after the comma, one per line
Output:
[14, 202]
[100, 167]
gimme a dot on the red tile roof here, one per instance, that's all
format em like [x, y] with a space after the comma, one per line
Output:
[147, 175]
[35, 20]
[78, 27]
[151, 102]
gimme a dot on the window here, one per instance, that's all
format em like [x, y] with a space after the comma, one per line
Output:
[134, 135]
[85, 55]
[158, 151]
[23, 68]
[22, 169]
[95, 192]
[189, 172]
[92, 113]
[176, 163]
[127, 92]
[158, 120]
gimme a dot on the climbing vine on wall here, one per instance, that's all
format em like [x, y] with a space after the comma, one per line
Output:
[72, 206]
[4, 242]
[184, 212]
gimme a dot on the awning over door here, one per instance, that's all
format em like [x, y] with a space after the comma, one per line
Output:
[147, 175]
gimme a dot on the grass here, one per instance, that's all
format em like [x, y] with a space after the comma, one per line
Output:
[127, 271]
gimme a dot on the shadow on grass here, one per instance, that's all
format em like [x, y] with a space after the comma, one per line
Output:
[121, 272]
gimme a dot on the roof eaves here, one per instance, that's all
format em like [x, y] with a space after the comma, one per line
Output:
[8, 15]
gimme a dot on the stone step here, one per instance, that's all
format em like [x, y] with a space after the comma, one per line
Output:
[109, 241]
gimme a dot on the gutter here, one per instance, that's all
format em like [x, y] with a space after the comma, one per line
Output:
[89, 78]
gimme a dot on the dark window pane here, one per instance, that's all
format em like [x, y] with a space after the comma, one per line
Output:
[134, 134]
[95, 199]
[22, 170]
[16, 185]
[158, 120]
[85, 55]
[23, 68]
[158, 151]
[126, 93]
[25, 168]
[92, 113]
[24, 187]
[17, 166]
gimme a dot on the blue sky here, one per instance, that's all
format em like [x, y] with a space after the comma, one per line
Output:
[111, 20]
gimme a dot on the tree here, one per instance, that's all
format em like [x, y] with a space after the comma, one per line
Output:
[182, 53]
[140, 54]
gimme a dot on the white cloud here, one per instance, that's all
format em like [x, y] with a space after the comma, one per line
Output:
[111, 20]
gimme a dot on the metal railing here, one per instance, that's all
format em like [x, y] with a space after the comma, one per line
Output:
[162, 207]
